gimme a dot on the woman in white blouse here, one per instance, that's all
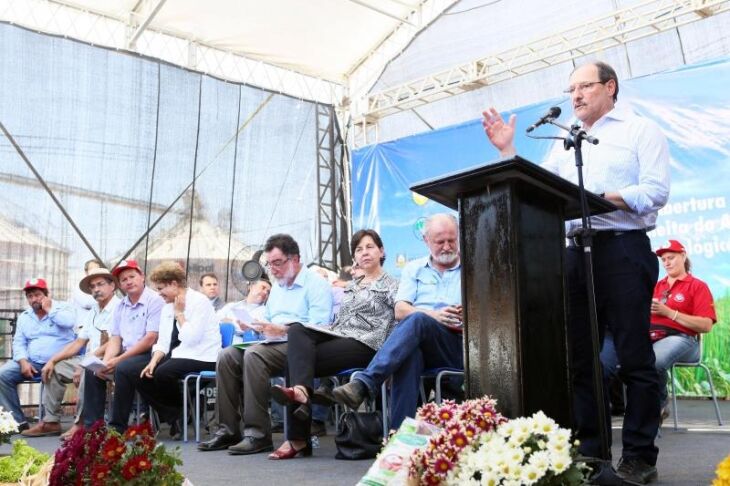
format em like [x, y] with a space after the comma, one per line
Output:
[189, 341]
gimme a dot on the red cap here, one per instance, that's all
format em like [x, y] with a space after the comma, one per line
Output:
[124, 265]
[672, 245]
[35, 283]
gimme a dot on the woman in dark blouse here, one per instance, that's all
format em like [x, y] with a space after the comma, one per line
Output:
[360, 328]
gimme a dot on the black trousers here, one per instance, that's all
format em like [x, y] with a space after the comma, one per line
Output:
[311, 353]
[625, 272]
[163, 390]
[124, 386]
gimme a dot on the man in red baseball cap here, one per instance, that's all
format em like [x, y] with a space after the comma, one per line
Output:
[42, 330]
[133, 332]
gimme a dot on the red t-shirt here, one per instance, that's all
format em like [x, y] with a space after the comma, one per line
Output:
[689, 296]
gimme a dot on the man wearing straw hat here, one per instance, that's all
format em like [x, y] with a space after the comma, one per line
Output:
[63, 367]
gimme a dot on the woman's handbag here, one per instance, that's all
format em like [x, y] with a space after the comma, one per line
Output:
[360, 435]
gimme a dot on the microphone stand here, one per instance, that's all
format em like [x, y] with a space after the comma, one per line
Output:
[603, 472]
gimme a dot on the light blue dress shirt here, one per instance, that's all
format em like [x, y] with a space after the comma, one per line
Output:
[423, 286]
[632, 157]
[132, 322]
[308, 300]
[38, 339]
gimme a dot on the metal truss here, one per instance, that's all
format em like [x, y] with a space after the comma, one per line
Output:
[620, 27]
[365, 73]
[333, 212]
[130, 31]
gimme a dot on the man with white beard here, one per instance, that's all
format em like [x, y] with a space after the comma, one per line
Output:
[429, 334]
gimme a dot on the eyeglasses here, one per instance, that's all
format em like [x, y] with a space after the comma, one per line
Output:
[277, 263]
[580, 87]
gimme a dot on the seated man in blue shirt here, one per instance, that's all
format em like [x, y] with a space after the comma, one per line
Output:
[429, 335]
[42, 330]
[242, 378]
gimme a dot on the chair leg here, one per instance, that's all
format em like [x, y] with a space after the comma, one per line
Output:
[185, 408]
[712, 392]
[197, 409]
[674, 396]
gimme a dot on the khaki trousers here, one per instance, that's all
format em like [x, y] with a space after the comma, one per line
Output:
[55, 389]
[243, 385]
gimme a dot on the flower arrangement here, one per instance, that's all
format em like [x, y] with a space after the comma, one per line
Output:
[101, 456]
[461, 425]
[8, 426]
[477, 445]
[523, 451]
[723, 473]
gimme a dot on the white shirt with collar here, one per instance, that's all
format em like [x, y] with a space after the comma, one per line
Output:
[96, 321]
[226, 314]
[632, 157]
[200, 336]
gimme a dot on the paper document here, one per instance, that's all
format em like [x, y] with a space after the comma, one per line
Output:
[243, 315]
[92, 363]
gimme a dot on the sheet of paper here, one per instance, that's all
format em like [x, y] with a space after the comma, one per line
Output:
[92, 363]
[243, 315]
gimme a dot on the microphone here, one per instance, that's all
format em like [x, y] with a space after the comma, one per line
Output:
[551, 115]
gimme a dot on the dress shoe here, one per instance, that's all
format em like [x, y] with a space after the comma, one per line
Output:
[251, 445]
[351, 394]
[218, 443]
[70, 432]
[22, 427]
[600, 472]
[634, 470]
[323, 396]
[42, 429]
[291, 452]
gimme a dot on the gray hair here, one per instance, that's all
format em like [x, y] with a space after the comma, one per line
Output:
[440, 217]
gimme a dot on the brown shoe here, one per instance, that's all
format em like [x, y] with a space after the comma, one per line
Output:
[70, 432]
[43, 429]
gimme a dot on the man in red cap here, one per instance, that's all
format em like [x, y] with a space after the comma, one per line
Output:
[42, 329]
[133, 332]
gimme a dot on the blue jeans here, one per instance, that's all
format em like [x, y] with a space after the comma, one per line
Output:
[9, 378]
[668, 351]
[418, 343]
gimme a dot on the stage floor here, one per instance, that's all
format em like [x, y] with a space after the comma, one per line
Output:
[687, 457]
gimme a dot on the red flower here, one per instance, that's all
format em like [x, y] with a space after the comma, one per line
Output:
[135, 465]
[113, 449]
[143, 429]
[459, 440]
[99, 473]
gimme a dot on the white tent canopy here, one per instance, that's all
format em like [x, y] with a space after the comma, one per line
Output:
[363, 55]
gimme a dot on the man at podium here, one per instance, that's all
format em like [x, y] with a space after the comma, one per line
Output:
[630, 168]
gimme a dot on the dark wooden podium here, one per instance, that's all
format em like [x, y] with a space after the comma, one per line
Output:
[512, 234]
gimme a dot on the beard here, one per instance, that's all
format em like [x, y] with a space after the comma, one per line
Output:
[446, 258]
[36, 306]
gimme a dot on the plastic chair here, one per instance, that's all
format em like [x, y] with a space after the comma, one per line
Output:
[438, 374]
[227, 331]
[694, 364]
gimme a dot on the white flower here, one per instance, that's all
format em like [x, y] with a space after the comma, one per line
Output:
[544, 424]
[560, 462]
[530, 475]
[540, 460]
